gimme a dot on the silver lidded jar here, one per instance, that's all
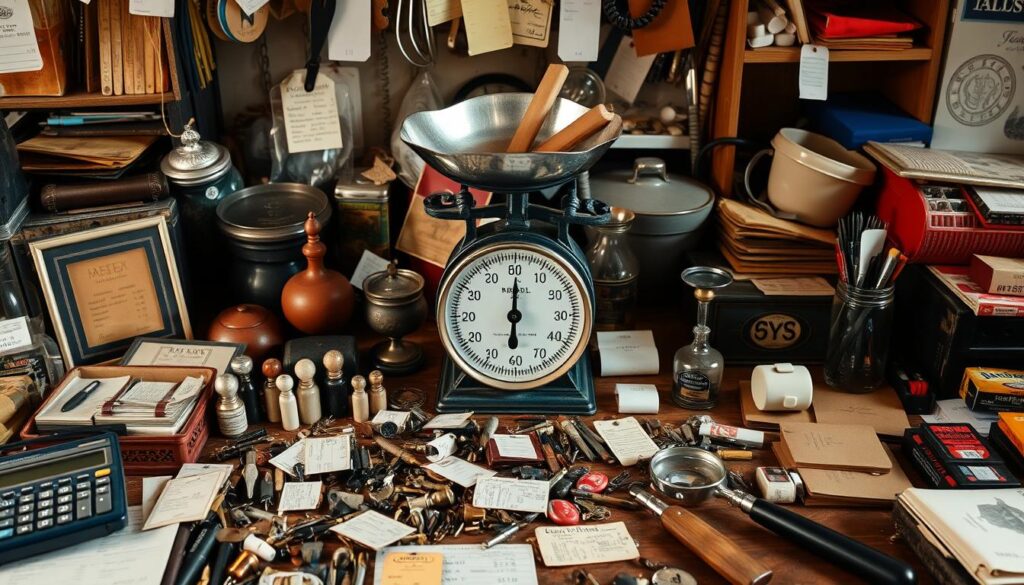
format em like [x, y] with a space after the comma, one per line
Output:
[615, 270]
[395, 307]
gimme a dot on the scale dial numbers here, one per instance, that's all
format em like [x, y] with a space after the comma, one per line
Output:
[516, 316]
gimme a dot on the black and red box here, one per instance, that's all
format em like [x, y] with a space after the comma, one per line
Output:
[955, 456]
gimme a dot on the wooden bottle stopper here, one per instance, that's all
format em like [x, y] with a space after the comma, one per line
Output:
[542, 102]
[582, 128]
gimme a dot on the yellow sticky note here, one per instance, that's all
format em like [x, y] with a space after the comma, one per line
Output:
[412, 568]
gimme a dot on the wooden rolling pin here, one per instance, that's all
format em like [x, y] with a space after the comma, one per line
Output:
[542, 102]
[584, 127]
[716, 549]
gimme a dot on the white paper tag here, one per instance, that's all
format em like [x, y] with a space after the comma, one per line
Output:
[19, 50]
[627, 72]
[398, 417]
[251, 6]
[637, 398]
[626, 440]
[349, 36]
[327, 454]
[579, 30]
[488, 26]
[441, 447]
[506, 493]
[14, 333]
[813, 72]
[286, 460]
[300, 495]
[369, 263]
[627, 353]
[439, 11]
[452, 420]
[162, 8]
[460, 471]
[373, 529]
[564, 546]
[310, 119]
[515, 446]
[531, 21]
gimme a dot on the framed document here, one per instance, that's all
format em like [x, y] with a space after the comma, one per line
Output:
[148, 351]
[106, 286]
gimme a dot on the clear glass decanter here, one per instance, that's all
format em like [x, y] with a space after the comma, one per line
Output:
[697, 368]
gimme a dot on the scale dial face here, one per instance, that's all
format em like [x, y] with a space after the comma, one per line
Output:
[514, 316]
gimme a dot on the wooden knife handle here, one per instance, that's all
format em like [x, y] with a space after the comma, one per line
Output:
[582, 128]
[716, 549]
[542, 102]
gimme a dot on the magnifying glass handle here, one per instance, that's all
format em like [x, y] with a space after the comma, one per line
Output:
[860, 559]
[717, 550]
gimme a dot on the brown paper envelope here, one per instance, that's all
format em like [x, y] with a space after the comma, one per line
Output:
[880, 409]
[846, 487]
[750, 216]
[760, 419]
[835, 446]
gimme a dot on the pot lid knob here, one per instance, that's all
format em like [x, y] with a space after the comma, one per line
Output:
[649, 165]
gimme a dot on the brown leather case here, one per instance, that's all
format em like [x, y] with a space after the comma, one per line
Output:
[138, 189]
[494, 459]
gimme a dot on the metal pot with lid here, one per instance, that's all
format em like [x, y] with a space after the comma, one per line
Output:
[670, 212]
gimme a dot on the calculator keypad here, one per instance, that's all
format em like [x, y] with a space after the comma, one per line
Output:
[53, 503]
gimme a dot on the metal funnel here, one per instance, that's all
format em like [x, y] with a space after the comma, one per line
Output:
[466, 143]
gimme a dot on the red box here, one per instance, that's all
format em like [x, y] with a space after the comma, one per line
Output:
[148, 455]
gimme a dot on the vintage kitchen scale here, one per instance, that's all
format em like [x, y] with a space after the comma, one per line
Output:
[515, 303]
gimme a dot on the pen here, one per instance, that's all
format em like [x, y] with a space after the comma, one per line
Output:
[80, 397]
[197, 554]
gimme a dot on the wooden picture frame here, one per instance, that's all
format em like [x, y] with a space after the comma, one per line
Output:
[106, 286]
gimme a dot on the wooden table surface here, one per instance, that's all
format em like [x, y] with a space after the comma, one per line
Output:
[789, 563]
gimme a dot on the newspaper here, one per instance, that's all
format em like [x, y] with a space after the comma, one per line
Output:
[972, 168]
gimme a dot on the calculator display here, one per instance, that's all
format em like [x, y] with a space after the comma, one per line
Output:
[51, 468]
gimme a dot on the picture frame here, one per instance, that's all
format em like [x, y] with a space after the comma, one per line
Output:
[106, 286]
[155, 351]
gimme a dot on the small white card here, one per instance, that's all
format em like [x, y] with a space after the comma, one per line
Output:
[399, 417]
[185, 499]
[579, 30]
[813, 72]
[310, 118]
[300, 495]
[373, 529]
[19, 49]
[251, 6]
[627, 72]
[626, 440]
[460, 471]
[327, 454]
[566, 546]
[637, 398]
[349, 36]
[505, 493]
[453, 420]
[162, 8]
[14, 334]
[286, 460]
[488, 26]
[515, 446]
[627, 353]
[369, 263]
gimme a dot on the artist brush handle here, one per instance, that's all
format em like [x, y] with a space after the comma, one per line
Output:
[716, 549]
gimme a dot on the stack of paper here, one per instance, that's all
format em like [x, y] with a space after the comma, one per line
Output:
[758, 244]
[73, 154]
[154, 408]
[82, 415]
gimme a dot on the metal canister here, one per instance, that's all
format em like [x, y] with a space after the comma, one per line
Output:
[395, 307]
[363, 222]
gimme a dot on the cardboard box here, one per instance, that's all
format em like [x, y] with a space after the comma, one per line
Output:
[1012, 426]
[1000, 276]
[993, 389]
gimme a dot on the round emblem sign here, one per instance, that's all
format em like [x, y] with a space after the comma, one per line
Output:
[980, 90]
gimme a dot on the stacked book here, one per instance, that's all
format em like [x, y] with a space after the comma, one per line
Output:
[860, 25]
[758, 244]
[131, 55]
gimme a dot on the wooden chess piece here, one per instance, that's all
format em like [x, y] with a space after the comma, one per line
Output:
[317, 300]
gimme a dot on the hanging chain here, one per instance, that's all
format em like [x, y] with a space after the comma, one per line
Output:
[265, 66]
[384, 83]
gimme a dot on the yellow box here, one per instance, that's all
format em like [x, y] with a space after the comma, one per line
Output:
[993, 389]
[1012, 425]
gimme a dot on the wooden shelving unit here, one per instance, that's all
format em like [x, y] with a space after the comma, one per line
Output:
[757, 91]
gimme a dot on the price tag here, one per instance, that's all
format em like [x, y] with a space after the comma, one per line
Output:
[310, 118]
[162, 8]
[813, 72]
[627, 72]
[14, 334]
[349, 37]
[580, 30]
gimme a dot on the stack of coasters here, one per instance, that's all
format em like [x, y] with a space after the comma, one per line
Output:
[996, 390]
[1007, 438]
[955, 456]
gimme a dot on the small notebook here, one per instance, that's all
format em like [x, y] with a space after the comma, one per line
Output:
[833, 487]
[831, 446]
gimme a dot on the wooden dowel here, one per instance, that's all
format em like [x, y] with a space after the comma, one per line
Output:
[542, 102]
[584, 127]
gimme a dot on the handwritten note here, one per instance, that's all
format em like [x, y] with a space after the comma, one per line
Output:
[515, 446]
[310, 118]
[579, 29]
[327, 454]
[412, 568]
[460, 471]
[185, 499]
[14, 334]
[452, 420]
[504, 493]
[373, 529]
[286, 460]
[488, 26]
[531, 21]
[813, 72]
[467, 564]
[564, 546]
[626, 439]
[19, 50]
[300, 495]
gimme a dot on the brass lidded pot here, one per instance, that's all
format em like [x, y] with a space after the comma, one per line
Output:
[395, 307]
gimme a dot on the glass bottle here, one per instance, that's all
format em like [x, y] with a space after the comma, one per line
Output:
[697, 368]
[615, 270]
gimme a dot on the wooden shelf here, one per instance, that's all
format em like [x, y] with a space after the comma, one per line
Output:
[83, 100]
[792, 55]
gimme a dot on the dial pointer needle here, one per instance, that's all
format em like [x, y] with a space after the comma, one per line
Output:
[514, 316]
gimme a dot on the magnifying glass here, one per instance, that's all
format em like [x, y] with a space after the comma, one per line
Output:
[690, 476]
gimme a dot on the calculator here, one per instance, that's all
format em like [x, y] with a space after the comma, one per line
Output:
[60, 495]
